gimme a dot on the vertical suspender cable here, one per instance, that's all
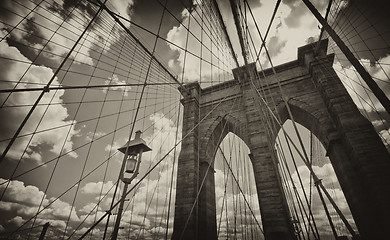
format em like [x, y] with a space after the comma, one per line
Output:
[353, 60]
[21, 126]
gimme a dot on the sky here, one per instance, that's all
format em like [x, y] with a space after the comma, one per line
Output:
[73, 135]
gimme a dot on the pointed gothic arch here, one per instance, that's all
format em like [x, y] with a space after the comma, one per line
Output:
[319, 102]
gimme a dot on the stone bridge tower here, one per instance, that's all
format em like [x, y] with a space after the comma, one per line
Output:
[318, 101]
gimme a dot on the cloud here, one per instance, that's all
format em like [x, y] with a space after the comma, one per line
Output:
[56, 27]
[275, 46]
[365, 100]
[330, 181]
[235, 209]
[94, 135]
[114, 80]
[21, 202]
[124, 8]
[194, 68]
[97, 187]
[17, 192]
[22, 69]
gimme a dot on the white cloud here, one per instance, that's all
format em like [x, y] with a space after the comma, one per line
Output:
[114, 80]
[124, 9]
[94, 135]
[63, 30]
[21, 202]
[17, 192]
[330, 181]
[356, 86]
[96, 187]
[385, 136]
[18, 221]
[56, 115]
[210, 51]
[362, 96]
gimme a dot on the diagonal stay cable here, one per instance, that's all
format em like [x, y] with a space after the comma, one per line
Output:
[150, 170]
[48, 84]
[239, 187]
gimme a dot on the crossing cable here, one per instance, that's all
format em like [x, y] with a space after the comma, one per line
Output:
[283, 167]
[147, 207]
[48, 89]
[158, 178]
[362, 13]
[233, 6]
[81, 121]
[93, 209]
[304, 158]
[310, 215]
[104, 195]
[380, 64]
[96, 126]
[40, 51]
[62, 194]
[360, 98]
[239, 187]
[152, 57]
[363, 73]
[70, 151]
[93, 136]
[173, 170]
[310, 168]
[208, 167]
[365, 44]
[269, 25]
[154, 166]
[40, 120]
[273, 134]
[48, 85]
[214, 2]
[28, 146]
[219, 16]
[265, 114]
[159, 132]
[226, 178]
[62, 148]
[77, 183]
[210, 11]
[115, 17]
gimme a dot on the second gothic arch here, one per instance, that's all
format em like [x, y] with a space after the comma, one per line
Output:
[319, 102]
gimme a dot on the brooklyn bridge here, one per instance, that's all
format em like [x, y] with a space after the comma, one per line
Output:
[194, 119]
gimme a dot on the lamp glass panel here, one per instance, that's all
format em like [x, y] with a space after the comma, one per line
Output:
[131, 163]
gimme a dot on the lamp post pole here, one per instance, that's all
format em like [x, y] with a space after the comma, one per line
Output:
[120, 210]
[134, 150]
[126, 182]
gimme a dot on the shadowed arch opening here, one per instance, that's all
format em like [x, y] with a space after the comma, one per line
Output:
[237, 210]
[217, 131]
[313, 119]
[302, 195]
[237, 207]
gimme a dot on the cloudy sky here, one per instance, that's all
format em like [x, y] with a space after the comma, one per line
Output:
[66, 153]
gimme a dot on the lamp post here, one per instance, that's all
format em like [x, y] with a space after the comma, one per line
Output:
[133, 152]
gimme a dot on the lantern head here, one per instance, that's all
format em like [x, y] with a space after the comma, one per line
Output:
[134, 148]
